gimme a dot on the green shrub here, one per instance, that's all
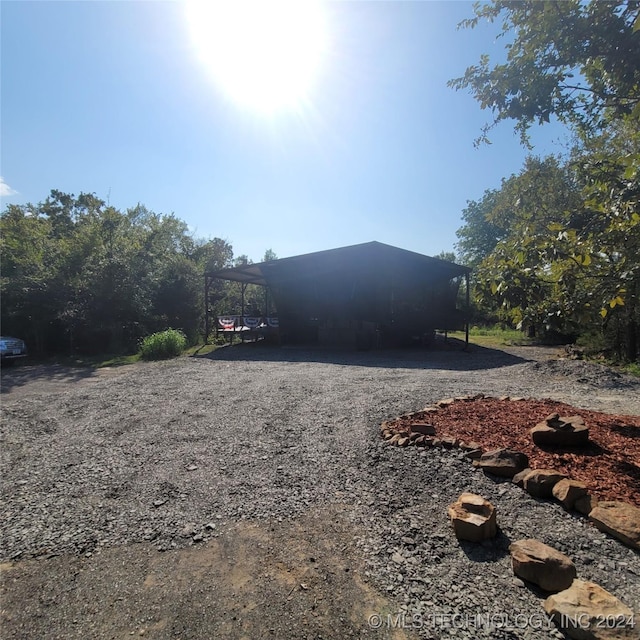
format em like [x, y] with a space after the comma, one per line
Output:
[633, 369]
[593, 343]
[165, 344]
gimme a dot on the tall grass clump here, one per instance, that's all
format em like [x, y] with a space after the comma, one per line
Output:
[164, 344]
[633, 369]
[498, 335]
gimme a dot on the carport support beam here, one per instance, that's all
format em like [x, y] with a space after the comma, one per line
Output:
[207, 328]
[466, 324]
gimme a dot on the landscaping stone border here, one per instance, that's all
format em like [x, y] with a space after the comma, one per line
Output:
[576, 614]
[540, 483]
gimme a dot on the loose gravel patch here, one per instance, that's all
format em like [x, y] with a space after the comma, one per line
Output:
[184, 455]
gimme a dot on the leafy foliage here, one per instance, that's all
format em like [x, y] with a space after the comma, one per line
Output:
[557, 247]
[80, 276]
[162, 345]
[480, 233]
[563, 261]
[575, 60]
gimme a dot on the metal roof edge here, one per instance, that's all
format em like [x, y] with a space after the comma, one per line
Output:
[257, 266]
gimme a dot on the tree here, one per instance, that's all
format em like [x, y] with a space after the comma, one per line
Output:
[449, 256]
[269, 255]
[568, 261]
[28, 269]
[480, 233]
[79, 275]
[212, 255]
[609, 167]
[519, 272]
[575, 60]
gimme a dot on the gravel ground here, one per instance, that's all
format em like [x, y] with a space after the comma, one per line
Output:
[272, 456]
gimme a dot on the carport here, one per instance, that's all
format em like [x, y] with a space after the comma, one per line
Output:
[362, 296]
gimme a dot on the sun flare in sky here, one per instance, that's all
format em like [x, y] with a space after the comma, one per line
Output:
[265, 55]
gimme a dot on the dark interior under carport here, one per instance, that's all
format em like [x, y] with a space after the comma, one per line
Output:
[363, 296]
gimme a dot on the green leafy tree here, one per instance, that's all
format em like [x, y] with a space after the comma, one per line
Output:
[449, 256]
[574, 60]
[80, 275]
[211, 255]
[518, 275]
[571, 258]
[480, 233]
[28, 270]
[269, 255]
[609, 167]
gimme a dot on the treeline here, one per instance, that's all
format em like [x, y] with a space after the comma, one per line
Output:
[79, 276]
[556, 249]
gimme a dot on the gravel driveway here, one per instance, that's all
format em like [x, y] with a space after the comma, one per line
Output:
[246, 494]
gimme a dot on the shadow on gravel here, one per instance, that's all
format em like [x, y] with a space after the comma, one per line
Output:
[449, 356]
[488, 550]
[17, 376]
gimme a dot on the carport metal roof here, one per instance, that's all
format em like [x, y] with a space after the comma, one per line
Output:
[262, 273]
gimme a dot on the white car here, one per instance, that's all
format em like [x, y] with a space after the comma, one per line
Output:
[12, 349]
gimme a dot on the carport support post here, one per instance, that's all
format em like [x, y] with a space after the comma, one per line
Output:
[466, 324]
[207, 328]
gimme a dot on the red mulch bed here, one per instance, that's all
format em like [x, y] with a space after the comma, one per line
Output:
[610, 466]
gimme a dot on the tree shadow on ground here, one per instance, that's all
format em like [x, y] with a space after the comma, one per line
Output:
[450, 355]
[15, 377]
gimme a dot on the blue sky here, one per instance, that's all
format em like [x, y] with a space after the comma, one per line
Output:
[113, 98]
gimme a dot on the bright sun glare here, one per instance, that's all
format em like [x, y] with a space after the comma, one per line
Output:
[264, 55]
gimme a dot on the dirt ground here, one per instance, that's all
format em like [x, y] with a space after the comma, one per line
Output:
[298, 579]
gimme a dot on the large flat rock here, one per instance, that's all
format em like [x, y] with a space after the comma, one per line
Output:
[618, 519]
[542, 565]
[555, 431]
[586, 611]
[503, 462]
